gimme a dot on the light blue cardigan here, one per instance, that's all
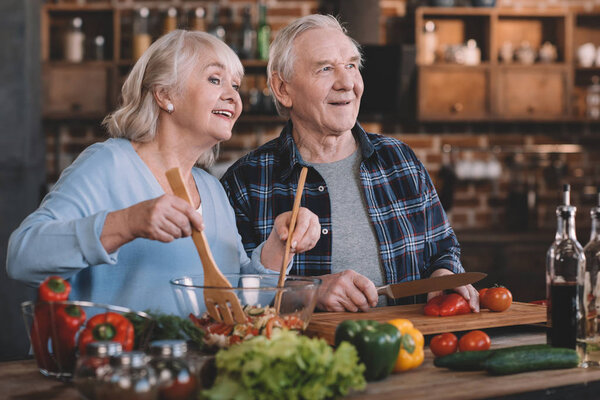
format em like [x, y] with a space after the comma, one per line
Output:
[62, 237]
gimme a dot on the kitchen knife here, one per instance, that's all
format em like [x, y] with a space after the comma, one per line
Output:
[420, 286]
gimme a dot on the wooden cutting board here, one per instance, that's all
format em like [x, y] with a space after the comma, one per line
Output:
[323, 324]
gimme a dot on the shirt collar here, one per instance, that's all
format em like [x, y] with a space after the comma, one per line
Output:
[290, 155]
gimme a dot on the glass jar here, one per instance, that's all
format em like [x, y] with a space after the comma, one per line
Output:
[176, 381]
[129, 378]
[91, 368]
[141, 35]
[592, 99]
[74, 42]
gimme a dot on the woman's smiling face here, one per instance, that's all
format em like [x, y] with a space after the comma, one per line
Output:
[210, 103]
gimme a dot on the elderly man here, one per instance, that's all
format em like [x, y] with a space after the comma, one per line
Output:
[380, 215]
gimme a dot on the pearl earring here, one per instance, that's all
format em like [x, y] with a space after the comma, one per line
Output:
[170, 108]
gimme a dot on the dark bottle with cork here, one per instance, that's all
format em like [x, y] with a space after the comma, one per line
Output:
[565, 268]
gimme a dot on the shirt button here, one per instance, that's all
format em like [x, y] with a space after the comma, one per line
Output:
[325, 231]
[321, 188]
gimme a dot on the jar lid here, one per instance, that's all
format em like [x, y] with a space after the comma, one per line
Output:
[168, 348]
[103, 348]
[131, 358]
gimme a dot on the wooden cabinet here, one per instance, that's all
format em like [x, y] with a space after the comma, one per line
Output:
[454, 93]
[500, 87]
[532, 93]
[89, 89]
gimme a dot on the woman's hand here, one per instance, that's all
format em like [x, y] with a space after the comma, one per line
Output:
[164, 218]
[306, 235]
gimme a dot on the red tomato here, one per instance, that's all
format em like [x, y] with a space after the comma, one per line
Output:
[496, 298]
[443, 344]
[482, 293]
[474, 341]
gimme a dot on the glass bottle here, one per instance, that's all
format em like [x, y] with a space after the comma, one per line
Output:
[248, 46]
[216, 29]
[176, 381]
[589, 346]
[141, 35]
[170, 20]
[429, 43]
[74, 41]
[592, 99]
[130, 377]
[199, 21]
[263, 33]
[93, 366]
[565, 266]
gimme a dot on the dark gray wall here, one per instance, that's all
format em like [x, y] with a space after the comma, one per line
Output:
[21, 152]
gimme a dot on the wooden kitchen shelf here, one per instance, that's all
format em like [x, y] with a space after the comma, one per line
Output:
[98, 81]
[505, 91]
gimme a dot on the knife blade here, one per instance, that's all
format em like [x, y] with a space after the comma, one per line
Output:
[420, 286]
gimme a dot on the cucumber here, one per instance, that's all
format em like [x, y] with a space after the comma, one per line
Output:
[514, 362]
[473, 360]
[464, 360]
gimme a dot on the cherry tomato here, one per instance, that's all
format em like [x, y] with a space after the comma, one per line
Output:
[496, 298]
[474, 341]
[443, 344]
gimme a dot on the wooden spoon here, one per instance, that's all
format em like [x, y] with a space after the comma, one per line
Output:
[219, 303]
[288, 242]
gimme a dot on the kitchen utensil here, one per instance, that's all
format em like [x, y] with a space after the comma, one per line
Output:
[323, 324]
[427, 285]
[298, 297]
[292, 226]
[219, 304]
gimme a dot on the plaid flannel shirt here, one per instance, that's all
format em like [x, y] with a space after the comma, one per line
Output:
[413, 232]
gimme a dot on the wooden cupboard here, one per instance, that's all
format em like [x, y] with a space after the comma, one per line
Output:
[497, 89]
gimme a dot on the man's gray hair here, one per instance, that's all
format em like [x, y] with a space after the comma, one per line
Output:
[166, 65]
[281, 51]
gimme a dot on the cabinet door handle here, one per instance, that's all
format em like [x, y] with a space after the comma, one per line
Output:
[456, 108]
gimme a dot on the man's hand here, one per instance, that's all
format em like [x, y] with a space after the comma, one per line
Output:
[467, 291]
[346, 291]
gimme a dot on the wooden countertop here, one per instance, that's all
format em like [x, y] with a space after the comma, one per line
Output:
[21, 380]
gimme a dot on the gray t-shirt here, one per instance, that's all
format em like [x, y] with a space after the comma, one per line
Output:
[354, 244]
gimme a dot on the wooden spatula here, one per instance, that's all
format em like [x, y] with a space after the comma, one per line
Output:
[219, 303]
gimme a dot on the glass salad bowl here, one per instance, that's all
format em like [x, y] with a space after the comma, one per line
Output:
[257, 297]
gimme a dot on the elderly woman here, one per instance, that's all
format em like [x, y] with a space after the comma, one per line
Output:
[111, 222]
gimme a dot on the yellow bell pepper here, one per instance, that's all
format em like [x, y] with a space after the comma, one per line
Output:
[411, 353]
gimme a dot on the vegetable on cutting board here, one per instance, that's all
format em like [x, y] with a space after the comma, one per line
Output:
[377, 344]
[447, 304]
[497, 298]
[411, 352]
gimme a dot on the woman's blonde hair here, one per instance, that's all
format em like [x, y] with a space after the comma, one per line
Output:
[281, 52]
[166, 65]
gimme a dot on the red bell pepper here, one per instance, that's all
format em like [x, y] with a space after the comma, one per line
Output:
[69, 318]
[107, 326]
[447, 304]
[54, 288]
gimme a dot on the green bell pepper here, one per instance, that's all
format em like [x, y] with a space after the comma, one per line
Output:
[377, 345]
